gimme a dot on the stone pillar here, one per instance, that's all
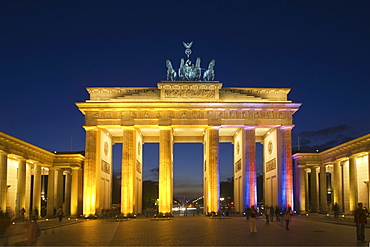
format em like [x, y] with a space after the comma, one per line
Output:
[75, 188]
[353, 196]
[37, 188]
[250, 171]
[90, 168]
[285, 143]
[212, 173]
[300, 189]
[313, 189]
[21, 187]
[323, 190]
[337, 184]
[307, 190]
[67, 194]
[165, 170]
[59, 188]
[51, 194]
[3, 180]
[128, 171]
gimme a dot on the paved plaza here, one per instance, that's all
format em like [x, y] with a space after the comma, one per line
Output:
[191, 231]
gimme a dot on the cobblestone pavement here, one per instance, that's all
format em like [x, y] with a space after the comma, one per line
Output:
[192, 231]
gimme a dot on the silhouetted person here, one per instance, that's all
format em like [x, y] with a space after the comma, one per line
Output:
[360, 220]
[336, 210]
[252, 222]
[247, 212]
[287, 218]
[22, 211]
[277, 213]
[272, 212]
[267, 214]
[60, 214]
[33, 231]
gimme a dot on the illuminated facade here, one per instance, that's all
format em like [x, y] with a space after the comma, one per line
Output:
[337, 175]
[192, 112]
[33, 178]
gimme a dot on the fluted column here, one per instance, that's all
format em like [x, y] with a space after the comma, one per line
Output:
[3, 179]
[353, 196]
[251, 170]
[128, 171]
[313, 189]
[51, 193]
[67, 194]
[165, 170]
[21, 187]
[90, 168]
[300, 188]
[59, 188]
[212, 171]
[285, 142]
[37, 188]
[337, 184]
[75, 188]
[323, 190]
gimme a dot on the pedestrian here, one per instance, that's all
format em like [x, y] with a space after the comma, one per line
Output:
[360, 220]
[252, 222]
[277, 213]
[336, 210]
[287, 218]
[36, 213]
[22, 211]
[60, 214]
[267, 214]
[272, 213]
[247, 212]
[33, 231]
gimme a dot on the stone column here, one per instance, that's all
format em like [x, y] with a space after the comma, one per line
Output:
[300, 189]
[337, 184]
[323, 190]
[59, 188]
[165, 170]
[314, 198]
[307, 189]
[353, 196]
[128, 171]
[285, 142]
[21, 187]
[250, 171]
[51, 194]
[3, 179]
[75, 190]
[37, 188]
[90, 168]
[212, 171]
[67, 194]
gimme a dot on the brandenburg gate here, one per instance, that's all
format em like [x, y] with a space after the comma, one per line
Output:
[187, 111]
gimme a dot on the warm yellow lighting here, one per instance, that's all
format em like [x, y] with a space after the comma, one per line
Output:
[47, 219]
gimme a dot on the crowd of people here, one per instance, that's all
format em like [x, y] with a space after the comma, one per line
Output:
[270, 212]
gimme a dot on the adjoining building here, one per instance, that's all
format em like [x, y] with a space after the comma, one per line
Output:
[337, 175]
[38, 180]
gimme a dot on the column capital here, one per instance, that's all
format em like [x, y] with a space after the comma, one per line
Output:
[249, 127]
[90, 128]
[301, 166]
[286, 127]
